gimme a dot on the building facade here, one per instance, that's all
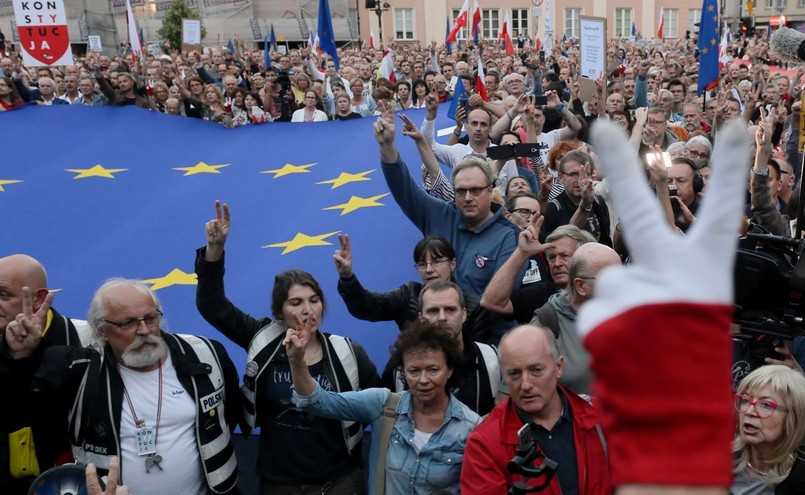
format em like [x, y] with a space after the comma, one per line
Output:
[403, 20]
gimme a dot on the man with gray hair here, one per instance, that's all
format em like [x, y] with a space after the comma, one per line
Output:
[46, 94]
[559, 313]
[519, 304]
[164, 403]
[474, 225]
[560, 424]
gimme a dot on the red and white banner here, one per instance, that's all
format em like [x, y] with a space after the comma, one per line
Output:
[42, 27]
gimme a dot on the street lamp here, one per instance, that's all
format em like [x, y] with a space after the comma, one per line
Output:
[379, 7]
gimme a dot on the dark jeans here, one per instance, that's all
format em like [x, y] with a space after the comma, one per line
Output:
[352, 484]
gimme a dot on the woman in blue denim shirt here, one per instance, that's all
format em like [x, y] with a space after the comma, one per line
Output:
[427, 443]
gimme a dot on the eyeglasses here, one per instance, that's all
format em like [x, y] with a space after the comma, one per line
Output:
[151, 321]
[763, 407]
[423, 265]
[699, 154]
[572, 175]
[656, 122]
[525, 212]
[474, 191]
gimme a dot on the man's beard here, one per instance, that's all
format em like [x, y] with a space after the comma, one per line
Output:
[144, 351]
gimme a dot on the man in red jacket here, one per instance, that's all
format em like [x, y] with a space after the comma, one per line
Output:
[563, 425]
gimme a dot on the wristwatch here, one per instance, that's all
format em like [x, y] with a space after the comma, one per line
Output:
[764, 172]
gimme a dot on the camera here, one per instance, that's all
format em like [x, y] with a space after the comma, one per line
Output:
[769, 306]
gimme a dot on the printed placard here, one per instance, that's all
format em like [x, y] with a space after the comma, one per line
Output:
[42, 28]
[94, 43]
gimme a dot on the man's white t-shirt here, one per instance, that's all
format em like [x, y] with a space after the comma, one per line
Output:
[176, 440]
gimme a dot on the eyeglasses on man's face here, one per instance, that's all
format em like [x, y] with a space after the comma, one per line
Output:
[151, 321]
[474, 191]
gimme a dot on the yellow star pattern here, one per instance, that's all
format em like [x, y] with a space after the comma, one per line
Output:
[704, 50]
[202, 168]
[355, 203]
[289, 169]
[175, 277]
[346, 178]
[96, 171]
[709, 8]
[715, 18]
[4, 182]
[301, 240]
[713, 42]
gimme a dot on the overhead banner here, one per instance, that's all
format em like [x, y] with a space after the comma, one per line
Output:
[42, 29]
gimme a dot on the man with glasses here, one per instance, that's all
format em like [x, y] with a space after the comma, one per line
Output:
[559, 313]
[476, 229]
[164, 403]
[577, 204]
[655, 132]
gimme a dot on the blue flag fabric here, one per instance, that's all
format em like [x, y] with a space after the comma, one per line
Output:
[230, 46]
[634, 29]
[326, 34]
[267, 54]
[273, 38]
[708, 46]
[458, 93]
[133, 201]
[448, 44]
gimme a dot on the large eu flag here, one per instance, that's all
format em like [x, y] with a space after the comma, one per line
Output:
[708, 47]
[97, 192]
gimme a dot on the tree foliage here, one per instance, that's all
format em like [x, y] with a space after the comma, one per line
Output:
[171, 30]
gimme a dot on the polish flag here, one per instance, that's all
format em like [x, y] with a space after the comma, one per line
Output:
[476, 21]
[505, 35]
[480, 80]
[461, 21]
[387, 66]
[371, 38]
[726, 39]
[662, 23]
[134, 38]
[311, 40]
[317, 44]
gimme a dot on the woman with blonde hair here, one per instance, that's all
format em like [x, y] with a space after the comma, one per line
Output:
[768, 448]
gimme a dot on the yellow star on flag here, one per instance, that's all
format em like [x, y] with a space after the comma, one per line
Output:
[202, 168]
[709, 8]
[289, 169]
[704, 50]
[356, 202]
[346, 178]
[4, 182]
[713, 41]
[175, 277]
[301, 240]
[96, 171]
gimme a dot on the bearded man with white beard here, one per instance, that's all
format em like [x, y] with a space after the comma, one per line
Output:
[164, 403]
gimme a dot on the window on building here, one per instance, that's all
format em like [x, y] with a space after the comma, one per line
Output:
[780, 4]
[671, 26]
[572, 22]
[490, 23]
[404, 24]
[463, 33]
[623, 23]
[520, 21]
[694, 16]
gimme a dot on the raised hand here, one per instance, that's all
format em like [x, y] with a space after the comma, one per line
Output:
[688, 306]
[528, 242]
[410, 129]
[343, 257]
[297, 337]
[217, 231]
[432, 104]
[25, 332]
[112, 487]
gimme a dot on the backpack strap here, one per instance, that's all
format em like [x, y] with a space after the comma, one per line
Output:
[492, 365]
[390, 415]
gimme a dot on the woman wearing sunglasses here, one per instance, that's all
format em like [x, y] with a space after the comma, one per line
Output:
[769, 453]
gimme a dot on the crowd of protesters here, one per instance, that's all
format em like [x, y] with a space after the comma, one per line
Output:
[509, 237]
